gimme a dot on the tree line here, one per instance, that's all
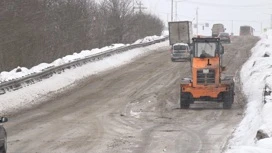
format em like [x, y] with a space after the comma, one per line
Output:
[37, 31]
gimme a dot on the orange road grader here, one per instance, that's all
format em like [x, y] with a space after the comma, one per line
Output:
[206, 83]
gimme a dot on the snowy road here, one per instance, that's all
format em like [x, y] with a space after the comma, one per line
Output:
[133, 108]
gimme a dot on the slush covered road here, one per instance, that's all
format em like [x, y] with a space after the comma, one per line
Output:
[133, 108]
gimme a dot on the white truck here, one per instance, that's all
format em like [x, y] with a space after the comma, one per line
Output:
[217, 28]
[246, 31]
[180, 37]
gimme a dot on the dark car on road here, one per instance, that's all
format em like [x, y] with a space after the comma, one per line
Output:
[224, 37]
[3, 136]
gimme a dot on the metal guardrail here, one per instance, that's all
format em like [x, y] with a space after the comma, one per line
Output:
[47, 73]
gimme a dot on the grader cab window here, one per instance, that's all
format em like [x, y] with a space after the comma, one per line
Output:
[205, 49]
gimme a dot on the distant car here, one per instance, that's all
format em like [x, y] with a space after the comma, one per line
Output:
[224, 37]
[180, 51]
[3, 136]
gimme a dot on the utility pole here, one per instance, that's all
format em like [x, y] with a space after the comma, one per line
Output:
[176, 17]
[140, 6]
[261, 27]
[232, 27]
[172, 4]
[271, 21]
[197, 21]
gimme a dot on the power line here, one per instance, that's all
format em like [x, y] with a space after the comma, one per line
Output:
[217, 20]
[255, 21]
[227, 5]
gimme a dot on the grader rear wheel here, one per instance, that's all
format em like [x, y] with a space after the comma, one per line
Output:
[184, 100]
[228, 98]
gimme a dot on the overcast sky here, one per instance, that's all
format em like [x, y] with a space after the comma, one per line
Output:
[242, 12]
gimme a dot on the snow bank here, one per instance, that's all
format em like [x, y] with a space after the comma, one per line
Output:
[17, 73]
[36, 93]
[148, 39]
[20, 72]
[254, 132]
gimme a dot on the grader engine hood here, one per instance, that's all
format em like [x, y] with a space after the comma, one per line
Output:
[206, 71]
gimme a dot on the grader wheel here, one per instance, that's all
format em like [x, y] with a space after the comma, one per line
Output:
[184, 100]
[228, 98]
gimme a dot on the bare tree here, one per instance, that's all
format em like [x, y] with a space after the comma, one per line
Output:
[116, 13]
[36, 31]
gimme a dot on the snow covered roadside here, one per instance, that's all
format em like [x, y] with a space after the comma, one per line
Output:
[22, 71]
[37, 93]
[254, 133]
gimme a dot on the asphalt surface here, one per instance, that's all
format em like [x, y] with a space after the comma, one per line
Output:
[134, 108]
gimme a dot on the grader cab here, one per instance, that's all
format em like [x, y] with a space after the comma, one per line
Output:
[206, 83]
